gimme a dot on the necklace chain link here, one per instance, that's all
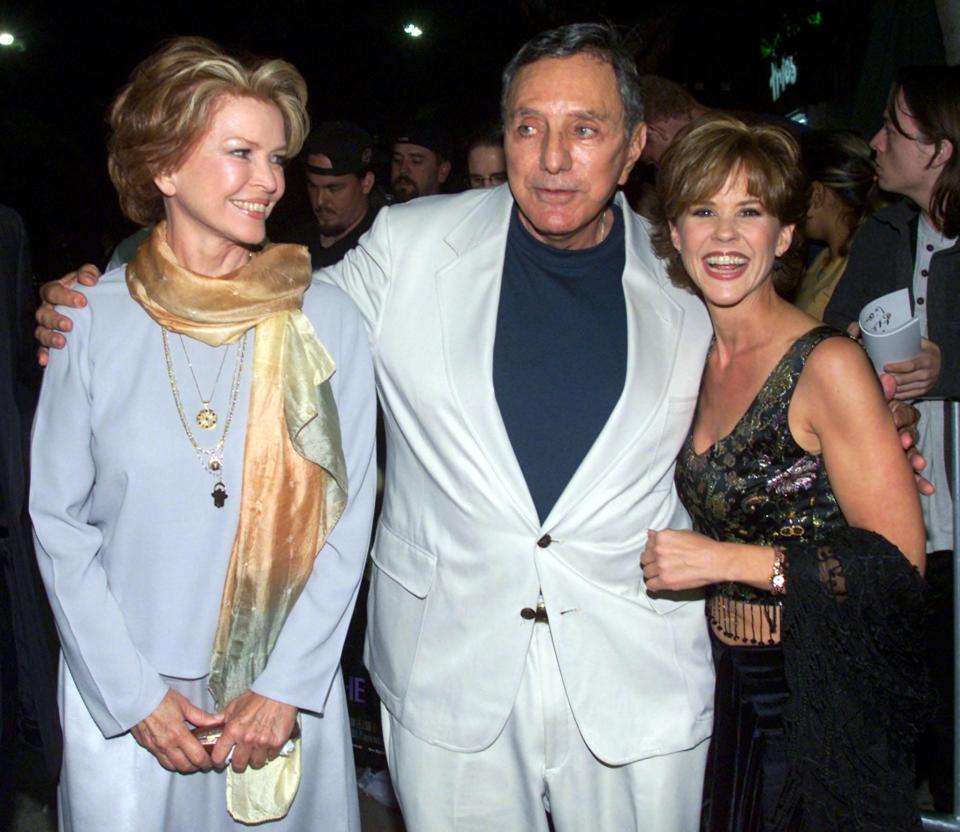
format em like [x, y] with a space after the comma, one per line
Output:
[212, 459]
[206, 417]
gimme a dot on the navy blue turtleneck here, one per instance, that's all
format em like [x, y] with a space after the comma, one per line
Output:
[560, 356]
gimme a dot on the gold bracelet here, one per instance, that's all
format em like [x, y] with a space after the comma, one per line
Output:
[778, 580]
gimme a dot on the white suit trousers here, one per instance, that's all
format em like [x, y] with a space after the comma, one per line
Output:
[538, 764]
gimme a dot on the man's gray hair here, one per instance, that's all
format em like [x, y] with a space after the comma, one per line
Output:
[599, 40]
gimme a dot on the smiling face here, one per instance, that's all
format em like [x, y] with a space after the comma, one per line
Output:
[565, 146]
[218, 199]
[729, 242]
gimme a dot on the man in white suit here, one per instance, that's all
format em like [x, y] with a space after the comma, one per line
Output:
[538, 373]
[520, 662]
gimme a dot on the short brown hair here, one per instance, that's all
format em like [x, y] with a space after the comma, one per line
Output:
[168, 104]
[697, 165]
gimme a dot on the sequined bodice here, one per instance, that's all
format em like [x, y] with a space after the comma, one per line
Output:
[757, 485]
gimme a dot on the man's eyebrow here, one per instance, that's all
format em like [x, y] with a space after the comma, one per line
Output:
[593, 115]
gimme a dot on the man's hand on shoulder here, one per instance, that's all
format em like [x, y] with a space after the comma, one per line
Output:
[906, 418]
[51, 324]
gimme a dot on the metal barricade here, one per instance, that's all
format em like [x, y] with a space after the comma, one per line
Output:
[951, 823]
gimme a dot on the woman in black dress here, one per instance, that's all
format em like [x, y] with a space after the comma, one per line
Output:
[808, 534]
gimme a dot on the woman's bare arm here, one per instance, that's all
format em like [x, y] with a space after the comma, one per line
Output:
[839, 410]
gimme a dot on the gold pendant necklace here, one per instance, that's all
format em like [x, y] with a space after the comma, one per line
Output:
[211, 459]
[206, 417]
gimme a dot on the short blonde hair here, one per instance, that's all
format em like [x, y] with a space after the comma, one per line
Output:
[168, 104]
[697, 165]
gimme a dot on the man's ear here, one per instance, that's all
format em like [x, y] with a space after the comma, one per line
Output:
[367, 182]
[634, 148]
[944, 154]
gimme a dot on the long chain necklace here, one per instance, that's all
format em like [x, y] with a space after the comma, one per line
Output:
[212, 459]
[207, 416]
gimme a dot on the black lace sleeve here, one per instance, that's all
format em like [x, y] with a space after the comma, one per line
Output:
[853, 621]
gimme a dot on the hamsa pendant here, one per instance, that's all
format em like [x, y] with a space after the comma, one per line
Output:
[219, 494]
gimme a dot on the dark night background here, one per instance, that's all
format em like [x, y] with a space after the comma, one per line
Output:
[359, 64]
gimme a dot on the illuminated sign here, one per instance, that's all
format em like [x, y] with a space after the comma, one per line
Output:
[782, 76]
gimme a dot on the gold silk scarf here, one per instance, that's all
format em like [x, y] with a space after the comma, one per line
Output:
[294, 474]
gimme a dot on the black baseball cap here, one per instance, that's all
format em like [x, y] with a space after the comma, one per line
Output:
[426, 134]
[347, 145]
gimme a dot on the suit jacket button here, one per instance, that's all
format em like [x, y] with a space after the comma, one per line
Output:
[528, 613]
[544, 541]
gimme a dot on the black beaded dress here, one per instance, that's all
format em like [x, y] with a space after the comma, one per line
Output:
[758, 486]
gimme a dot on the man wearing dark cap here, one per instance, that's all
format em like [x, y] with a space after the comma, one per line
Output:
[420, 163]
[338, 157]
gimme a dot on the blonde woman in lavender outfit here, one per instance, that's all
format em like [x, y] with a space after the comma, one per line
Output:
[203, 478]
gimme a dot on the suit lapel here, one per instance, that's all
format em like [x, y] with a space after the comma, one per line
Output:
[468, 288]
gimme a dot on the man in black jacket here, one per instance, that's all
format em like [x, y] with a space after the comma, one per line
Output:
[28, 676]
[338, 157]
[914, 245]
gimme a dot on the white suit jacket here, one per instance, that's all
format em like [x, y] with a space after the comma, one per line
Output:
[460, 550]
